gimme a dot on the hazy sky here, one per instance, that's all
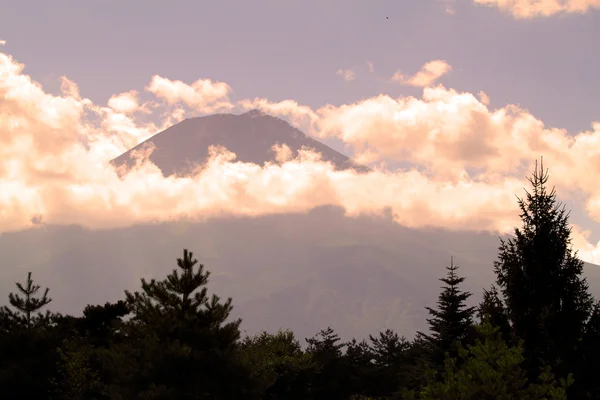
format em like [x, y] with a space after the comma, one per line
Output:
[284, 49]
[544, 58]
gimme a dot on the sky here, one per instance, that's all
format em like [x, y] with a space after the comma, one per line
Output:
[464, 94]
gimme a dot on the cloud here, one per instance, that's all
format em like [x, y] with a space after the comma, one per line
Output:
[347, 74]
[527, 9]
[469, 160]
[371, 66]
[125, 103]
[426, 76]
[202, 95]
[449, 6]
[483, 98]
[2, 42]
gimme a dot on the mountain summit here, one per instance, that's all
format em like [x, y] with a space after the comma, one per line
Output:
[250, 136]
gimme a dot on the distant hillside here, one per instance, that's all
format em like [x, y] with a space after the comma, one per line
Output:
[250, 136]
[303, 271]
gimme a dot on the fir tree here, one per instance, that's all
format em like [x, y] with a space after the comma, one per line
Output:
[547, 299]
[452, 321]
[492, 310]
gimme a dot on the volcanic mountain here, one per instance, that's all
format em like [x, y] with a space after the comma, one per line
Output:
[250, 136]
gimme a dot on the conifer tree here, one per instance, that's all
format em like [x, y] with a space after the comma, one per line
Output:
[587, 385]
[452, 320]
[325, 346]
[26, 305]
[492, 310]
[180, 341]
[489, 369]
[539, 275]
[27, 345]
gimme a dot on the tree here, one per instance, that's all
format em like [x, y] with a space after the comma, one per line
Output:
[452, 321]
[75, 379]
[587, 385]
[27, 343]
[393, 366]
[539, 275]
[489, 369]
[278, 363]
[26, 307]
[492, 310]
[180, 344]
[331, 379]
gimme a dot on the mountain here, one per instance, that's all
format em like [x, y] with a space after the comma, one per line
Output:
[303, 271]
[250, 136]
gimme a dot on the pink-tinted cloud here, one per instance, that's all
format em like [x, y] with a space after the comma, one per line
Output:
[346, 74]
[426, 76]
[125, 103]
[527, 9]
[54, 153]
[202, 95]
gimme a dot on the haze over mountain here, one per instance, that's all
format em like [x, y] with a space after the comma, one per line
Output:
[301, 271]
[251, 136]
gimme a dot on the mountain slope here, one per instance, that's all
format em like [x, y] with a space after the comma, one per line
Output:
[250, 136]
[298, 271]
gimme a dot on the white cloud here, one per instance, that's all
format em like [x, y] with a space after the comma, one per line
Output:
[527, 9]
[125, 103]
[202, 95]
[426, 76]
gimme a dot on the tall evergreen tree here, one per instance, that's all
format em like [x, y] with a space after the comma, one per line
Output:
[452, 320]
[539, 275]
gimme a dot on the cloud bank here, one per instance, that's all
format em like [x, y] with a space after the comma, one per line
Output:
[527, 9]
[469, 160]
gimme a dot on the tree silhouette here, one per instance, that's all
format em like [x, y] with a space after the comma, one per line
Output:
[451, 321]
[27, 304]
[539, 275]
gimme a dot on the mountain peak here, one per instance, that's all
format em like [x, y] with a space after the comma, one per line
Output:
[255, 113]
[178, 149]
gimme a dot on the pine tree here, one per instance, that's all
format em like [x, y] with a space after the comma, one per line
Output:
[333, 370]
[539, 275]
[180, 343]
[452, 321]
[27, 343]
[325, 346]
[26, 306]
